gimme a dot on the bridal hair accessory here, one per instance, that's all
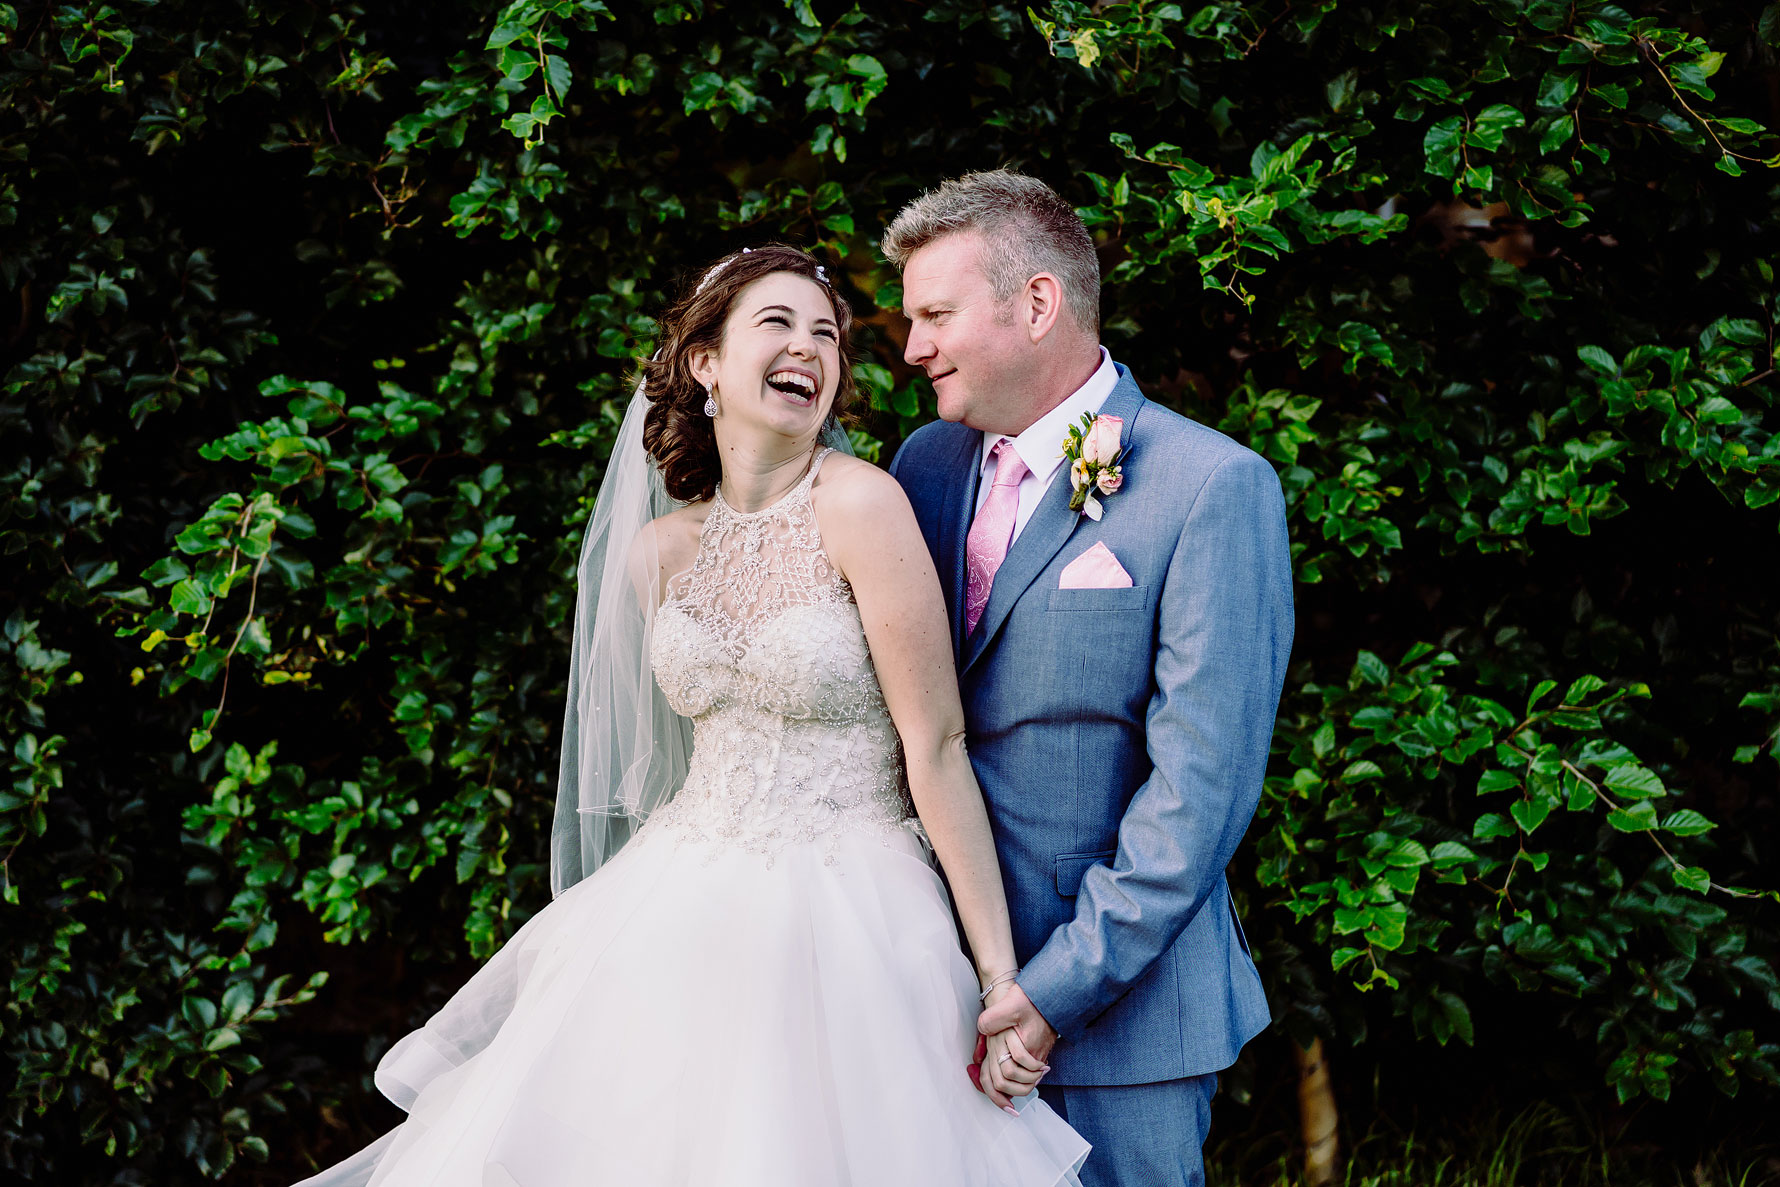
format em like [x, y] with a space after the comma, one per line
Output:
[726, 261]
[710, 400]
[719, 266]
[1094, 455]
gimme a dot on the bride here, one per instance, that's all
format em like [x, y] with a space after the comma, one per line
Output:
[750, 974]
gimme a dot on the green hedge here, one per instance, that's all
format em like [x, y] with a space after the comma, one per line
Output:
[319, 325]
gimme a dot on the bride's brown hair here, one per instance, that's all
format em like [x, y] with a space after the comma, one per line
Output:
[676, 431]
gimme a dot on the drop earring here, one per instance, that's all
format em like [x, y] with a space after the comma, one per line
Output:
[710, 400]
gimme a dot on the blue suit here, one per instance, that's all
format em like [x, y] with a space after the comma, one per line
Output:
[1120, 737]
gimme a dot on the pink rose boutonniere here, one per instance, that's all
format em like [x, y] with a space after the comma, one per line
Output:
[1093, 453]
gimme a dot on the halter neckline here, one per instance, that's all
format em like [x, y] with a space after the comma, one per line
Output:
[803, 484]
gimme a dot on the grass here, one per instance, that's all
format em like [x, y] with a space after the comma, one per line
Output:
[1540, 1146]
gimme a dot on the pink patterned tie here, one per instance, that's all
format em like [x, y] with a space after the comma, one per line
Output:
[991, 532]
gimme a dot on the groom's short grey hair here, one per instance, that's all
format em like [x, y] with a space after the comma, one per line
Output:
[1026, 226]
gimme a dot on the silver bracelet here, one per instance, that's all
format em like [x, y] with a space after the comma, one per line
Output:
[997, 979]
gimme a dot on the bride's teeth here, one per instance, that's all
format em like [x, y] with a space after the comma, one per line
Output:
[803, 384]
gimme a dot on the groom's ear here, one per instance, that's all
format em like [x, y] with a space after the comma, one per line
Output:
[1042, 305]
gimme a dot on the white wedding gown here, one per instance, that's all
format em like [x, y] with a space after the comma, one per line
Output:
[765, 987]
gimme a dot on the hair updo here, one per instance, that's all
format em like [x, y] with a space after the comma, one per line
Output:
[676, 431]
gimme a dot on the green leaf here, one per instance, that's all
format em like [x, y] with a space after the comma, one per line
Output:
[1442, 147]
[1491, 124]
[1557, 88]
[1581, 688]
[1407, 854]
[1687, 823]
[1692, 878]
[1634, 781]
[1640, 817]
[1492, 824]
[1538, 693]
[1450, 853]
[190, 597]
[1530, 814]
[1597, 359]
[1496, 780]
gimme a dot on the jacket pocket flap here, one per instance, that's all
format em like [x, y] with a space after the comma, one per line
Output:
[1071, 867]
[1130, 597]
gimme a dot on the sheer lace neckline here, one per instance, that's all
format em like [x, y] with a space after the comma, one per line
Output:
[802, 485]
[753, 567]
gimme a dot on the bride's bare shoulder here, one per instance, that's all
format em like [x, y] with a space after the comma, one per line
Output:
[672, 539]
[852, 490]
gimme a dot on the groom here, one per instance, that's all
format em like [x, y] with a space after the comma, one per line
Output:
[1119, 676]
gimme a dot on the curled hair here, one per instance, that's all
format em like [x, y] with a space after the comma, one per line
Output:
[1026, 226]
[676, 431]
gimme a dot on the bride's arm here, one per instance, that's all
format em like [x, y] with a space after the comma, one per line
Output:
[870, 533]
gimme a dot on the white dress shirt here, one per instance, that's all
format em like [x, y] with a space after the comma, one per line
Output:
[1041, 445]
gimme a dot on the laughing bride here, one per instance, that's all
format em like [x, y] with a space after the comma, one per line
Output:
[750, 974]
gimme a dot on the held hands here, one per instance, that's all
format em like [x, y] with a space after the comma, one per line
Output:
[1013, 1045]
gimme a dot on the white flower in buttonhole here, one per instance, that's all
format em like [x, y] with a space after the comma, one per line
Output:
[1093, 452]
[1100, 444]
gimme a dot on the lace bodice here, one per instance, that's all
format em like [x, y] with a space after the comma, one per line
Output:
[760, 644]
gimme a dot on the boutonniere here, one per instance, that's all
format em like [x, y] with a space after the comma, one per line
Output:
[1093, 453]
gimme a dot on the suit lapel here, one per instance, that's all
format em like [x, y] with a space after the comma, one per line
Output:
[1049, 529]
[964, 471]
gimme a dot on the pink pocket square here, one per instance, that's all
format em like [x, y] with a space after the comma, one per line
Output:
[1096, 568]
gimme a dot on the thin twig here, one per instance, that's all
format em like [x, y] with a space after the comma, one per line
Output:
[253, 594]
[1663, 849]
[1650, 55]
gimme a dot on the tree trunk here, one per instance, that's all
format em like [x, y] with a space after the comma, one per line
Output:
[1317, 1116]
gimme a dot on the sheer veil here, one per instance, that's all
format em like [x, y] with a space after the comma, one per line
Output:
[624, 750]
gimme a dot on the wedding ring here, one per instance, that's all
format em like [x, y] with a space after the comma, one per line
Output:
[1005, 1056]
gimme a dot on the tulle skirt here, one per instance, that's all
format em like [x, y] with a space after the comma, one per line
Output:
[692, 1014]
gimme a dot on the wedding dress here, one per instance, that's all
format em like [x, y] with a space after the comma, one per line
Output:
[764, 987]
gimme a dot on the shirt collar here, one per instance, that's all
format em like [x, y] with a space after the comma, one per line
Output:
[1041, 445]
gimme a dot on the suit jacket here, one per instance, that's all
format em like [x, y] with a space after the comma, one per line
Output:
[1120, 735]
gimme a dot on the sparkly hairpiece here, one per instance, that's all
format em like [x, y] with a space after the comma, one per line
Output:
[720, 265]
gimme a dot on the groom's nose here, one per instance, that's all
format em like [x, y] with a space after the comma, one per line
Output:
[919, 348]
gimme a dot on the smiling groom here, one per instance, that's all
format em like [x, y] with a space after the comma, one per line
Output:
[1120, 674]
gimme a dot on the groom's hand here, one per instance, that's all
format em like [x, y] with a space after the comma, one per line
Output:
[1018, 1046]
[1015, 1009]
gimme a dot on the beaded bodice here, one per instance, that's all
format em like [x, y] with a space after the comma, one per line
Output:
[760, 644]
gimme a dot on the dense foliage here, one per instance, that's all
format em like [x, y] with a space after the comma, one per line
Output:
[324, 317]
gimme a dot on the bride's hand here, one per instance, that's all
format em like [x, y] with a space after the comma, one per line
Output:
[1009, 1068]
